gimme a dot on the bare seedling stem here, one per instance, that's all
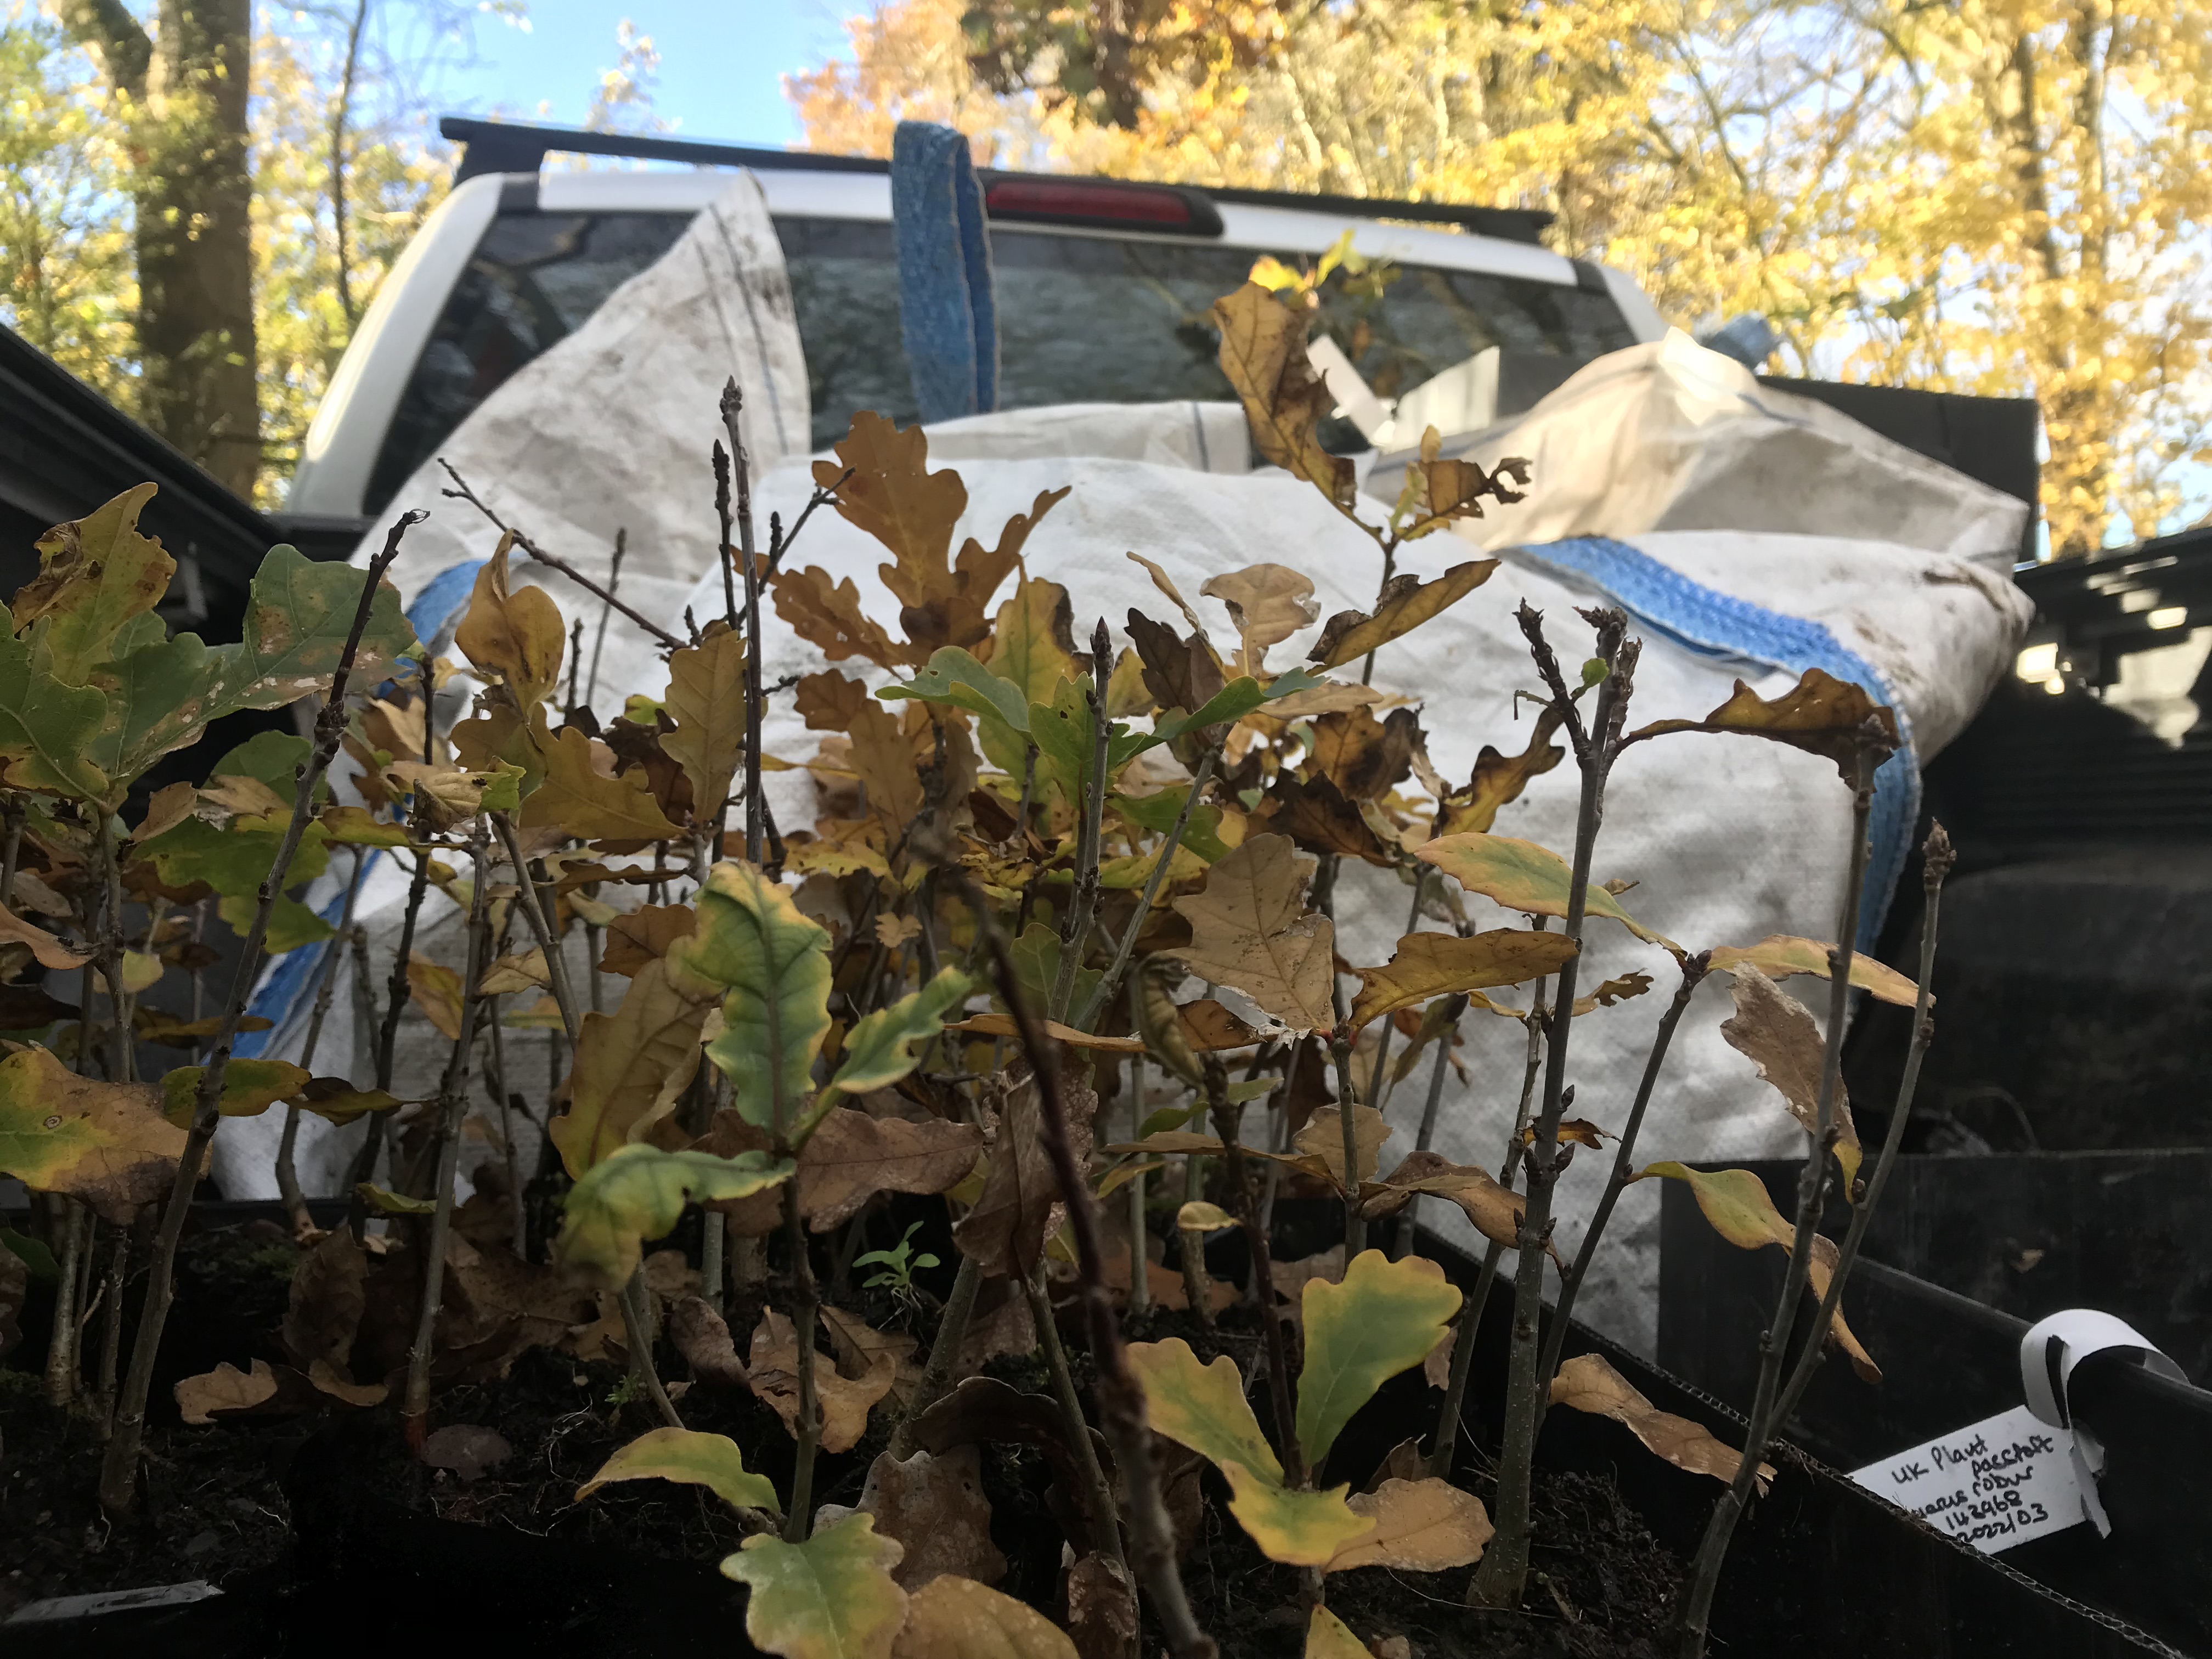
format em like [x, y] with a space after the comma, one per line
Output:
[1120, 1395]
[119, 1474]
[1503, 1575]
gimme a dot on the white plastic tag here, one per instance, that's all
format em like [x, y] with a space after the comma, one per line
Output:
[1993, 1483]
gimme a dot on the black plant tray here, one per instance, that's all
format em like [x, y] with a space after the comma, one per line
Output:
[1946, 1362]
[1821, 1569]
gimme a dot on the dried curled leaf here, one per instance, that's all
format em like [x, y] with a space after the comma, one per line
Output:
[1426, 965]
[1439, 489]
[844, 1403]
[1420, 1526]
[1263, 353]
[225, 1390]
[827, 613]
[1494, 1210]
[706, 700]
[1250, 931]
[851, 1157]
[630, 1065]
[584, 801]
[1406, 602]
[956, 1617]
[1821, 714]
[1589, 1383]
[1737, 1204]
[1780, 955]
[1268, 603]
[1777, 1033]
[516, 634]
[45, 950]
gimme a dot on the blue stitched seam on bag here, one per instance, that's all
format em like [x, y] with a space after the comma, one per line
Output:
[1719, 625]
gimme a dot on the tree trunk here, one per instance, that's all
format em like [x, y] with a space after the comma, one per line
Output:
[185, 88]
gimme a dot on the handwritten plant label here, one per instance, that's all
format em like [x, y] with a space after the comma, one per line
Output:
[1993, 1483]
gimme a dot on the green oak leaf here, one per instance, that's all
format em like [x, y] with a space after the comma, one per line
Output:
[47, 729]
[96, 576]
[880, 1049]
[105, 1143]
[1524, 877]
[637, 1193]
[954, 677]
[1384, 1318]
[162, 696]
[233, 862]
[712, 1461]
[1204, 1407]
[751, 943]
[291, 924]
[831, 1597]
[250, 1087]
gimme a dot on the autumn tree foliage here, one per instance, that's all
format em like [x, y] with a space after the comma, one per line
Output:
[1993, 198]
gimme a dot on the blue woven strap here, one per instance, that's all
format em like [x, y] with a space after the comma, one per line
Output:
[946, 316]
[1718, 625]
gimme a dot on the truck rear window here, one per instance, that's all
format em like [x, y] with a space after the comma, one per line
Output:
[1082, 319]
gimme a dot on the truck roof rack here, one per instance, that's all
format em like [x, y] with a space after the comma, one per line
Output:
[513, 147]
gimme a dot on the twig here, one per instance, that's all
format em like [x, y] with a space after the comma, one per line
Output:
[108, 942]
[944, 1354]
[1120, 1395]
[395, 992]
[1103, 992]
[533, 912]
[111, 1326]
[806, 1310]
[1228, 1121]
[1694, 969]
[1503, 1575]
[118, 1475]
[1098, 1499]
[1140, 1264]
[1470, 1319]
[1083, 903]
[11, 814]
[1455, 1009]
[779, 541]
[452, 1097]
[287, 1173]
[61, 1345]
[1936, 859]
[1763, 1421]
[606, 606]
[741, 476]
[605, 595]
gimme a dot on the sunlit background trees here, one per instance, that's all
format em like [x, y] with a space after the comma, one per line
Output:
[2003, 197]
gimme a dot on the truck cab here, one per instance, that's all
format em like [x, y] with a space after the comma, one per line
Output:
[1102, 287]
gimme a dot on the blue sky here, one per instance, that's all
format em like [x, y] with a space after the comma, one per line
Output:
[721, 61]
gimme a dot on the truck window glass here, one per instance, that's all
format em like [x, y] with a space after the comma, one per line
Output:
[1082, 319]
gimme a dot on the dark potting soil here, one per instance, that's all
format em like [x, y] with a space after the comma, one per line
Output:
[252, 1496]
[214, 1506]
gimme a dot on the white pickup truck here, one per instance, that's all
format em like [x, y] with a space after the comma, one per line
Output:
[1102, 290]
